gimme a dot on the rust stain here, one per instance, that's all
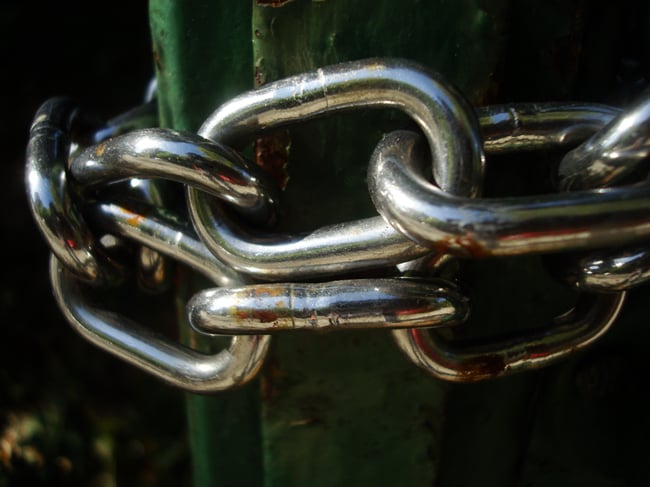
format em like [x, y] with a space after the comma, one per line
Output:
[271, 291]
[133, 219]
[272, 155]
[259, 76]
[273, 376]
[240, 314]
[265, 316]
[486, 366]
[101, 148]
[157, 59]
[451, 245]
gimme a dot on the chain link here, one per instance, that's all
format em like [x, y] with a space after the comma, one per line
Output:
[78, 195]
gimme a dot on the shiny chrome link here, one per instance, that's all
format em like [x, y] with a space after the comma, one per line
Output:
[351, 304]
[609, 271]
[168, 235]
[612, 154]
[152, 270]
[608, 158]
[434, 104]
[498, 226]
[334, 249]
[181, 157]
[149, 351]
[540, 126]
[362, 244]
[571, 332]
[56, 214]
[468, 363]
[372, 242]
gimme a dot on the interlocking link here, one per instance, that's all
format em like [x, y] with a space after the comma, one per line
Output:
[503, 226]
[489, 359]
[540, 126]
[351, 304]
[611, 157]
[432, 102]
[183, 157]
[363, 244]
[72, 188]
[613, 154]
[54, 209]
[468, 363]
[153, 353]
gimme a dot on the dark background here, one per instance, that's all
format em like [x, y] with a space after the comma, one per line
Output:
[69, 413]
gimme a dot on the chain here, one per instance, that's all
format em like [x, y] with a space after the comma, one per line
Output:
[98, 190]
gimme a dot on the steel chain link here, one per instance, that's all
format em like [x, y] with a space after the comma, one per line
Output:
[93, 189]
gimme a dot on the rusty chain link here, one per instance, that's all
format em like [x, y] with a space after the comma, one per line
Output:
[96, 190]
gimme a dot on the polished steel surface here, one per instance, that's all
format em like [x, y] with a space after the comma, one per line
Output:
[149, 351]
[168, 235]
[533, 126]
[336, 305]
[182, 157]
[611, 155]
[372, 242]
[498, 226]
[469, 363]
[363, 244]
[152, 270]
[609, 271]
[443, 115]
[53, 207]
[422, 225]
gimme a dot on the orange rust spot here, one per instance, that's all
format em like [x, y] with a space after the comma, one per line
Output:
[271, 291]
[265, 316]
[272, 155]
[101, 148]
[488, 365]
[133, 219]
[470, 247]
[271, 379]
[240, 315]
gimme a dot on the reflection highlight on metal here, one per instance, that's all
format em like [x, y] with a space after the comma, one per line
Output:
[510, 129]
[443, 115]
[175, 364]
[611, 155]
[183, 157]
[371, 242]
[56, 213]
[468, 363]
[345, 247]
[498, 226]
[336, 305]
[610, 271]
[168, 235]
[441, 112]
[540, 126]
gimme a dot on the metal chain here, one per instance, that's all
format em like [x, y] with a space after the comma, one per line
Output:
[86, 182]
